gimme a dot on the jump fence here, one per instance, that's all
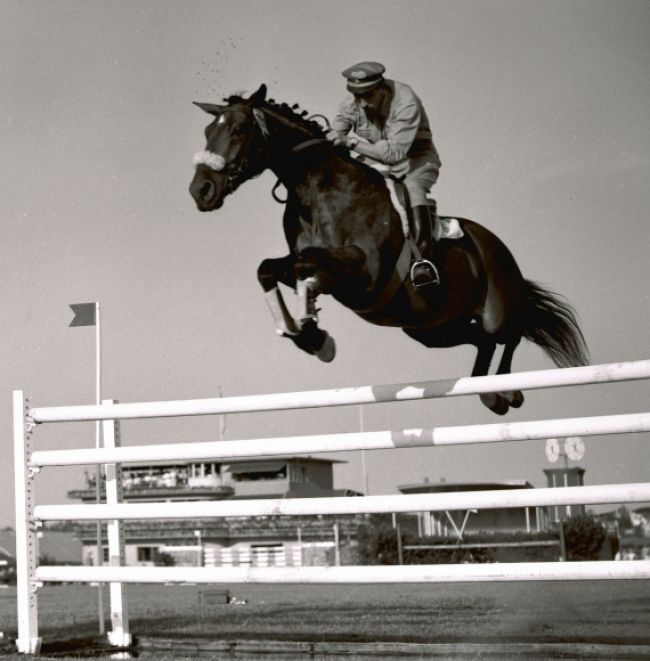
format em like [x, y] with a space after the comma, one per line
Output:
[114, 511]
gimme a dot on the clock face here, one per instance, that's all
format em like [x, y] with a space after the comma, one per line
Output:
[552, 450]
[574, 448]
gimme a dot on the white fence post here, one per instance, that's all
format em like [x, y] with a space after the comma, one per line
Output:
[119, 634]
[28, 641]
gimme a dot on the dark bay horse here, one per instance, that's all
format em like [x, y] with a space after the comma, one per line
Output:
[346, 239]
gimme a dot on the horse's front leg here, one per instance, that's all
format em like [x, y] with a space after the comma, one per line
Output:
[303, 332]
[270, 273]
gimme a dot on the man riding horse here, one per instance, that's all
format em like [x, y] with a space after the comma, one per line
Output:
[345, 235]
[384, 122]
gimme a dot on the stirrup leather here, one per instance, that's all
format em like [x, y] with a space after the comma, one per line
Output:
[424, 273]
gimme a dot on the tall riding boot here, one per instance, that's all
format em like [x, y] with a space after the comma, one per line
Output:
[424, 271]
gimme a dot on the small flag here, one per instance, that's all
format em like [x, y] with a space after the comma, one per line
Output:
[84, 314]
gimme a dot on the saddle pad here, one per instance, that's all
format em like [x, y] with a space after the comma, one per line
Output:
[445, 228]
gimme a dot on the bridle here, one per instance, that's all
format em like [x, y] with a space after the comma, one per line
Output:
[237, 170]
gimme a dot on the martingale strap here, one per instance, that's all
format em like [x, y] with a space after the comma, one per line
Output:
[397, 277]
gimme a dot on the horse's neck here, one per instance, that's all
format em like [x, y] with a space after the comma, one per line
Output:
[285, 156]
[303, 172]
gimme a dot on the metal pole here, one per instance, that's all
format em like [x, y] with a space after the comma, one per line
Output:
[400, 552]
[98, 469]
[364, 466]
[337, 547]
[563, 552]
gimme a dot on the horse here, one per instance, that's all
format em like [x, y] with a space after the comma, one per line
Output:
[346, 239]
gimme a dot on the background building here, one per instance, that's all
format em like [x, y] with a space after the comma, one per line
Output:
[457, 523]
[259, 541]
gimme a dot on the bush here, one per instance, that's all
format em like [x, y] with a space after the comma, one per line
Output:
[162, 559]
[377, 541]
[378, 545]
[583, 537]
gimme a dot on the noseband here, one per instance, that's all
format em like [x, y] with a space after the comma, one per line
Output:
[237, 172]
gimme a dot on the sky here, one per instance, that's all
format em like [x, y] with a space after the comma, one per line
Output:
[540, 112]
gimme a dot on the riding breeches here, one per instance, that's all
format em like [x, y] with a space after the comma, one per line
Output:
[418, 182]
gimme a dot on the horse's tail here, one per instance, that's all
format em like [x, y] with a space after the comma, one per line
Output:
[553, 326]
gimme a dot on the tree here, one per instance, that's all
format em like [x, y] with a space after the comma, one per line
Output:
[584, 537]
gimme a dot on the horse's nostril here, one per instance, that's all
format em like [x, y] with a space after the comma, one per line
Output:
[207, 190]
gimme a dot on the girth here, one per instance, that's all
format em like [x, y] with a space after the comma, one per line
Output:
[405, 258]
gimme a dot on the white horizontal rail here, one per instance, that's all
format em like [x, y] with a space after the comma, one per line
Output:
[590, 495]
[553, 378]
[519, 571]
[378, 440]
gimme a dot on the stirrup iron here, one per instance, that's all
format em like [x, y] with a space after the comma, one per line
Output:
[424, 273]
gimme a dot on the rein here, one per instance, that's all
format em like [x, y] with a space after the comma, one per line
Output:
[298, 148]
[260, 120]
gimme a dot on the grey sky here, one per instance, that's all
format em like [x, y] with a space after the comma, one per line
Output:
[541, 114]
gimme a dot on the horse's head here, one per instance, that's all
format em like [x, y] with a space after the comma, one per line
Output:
[234, 150]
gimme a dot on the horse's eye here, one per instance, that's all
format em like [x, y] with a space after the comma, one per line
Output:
[239, 129]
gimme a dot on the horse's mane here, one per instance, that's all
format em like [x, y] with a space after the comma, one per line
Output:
[292, 113]
[299, 119]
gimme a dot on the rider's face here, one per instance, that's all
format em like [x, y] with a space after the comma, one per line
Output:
[371, 101]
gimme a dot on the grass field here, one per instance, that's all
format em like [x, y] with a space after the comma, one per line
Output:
[598, 612]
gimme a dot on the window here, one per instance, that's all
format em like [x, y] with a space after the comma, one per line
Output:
[252, 471]
[145, 553]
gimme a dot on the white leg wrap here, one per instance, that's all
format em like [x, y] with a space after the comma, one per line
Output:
[307, 290]
[284, 322]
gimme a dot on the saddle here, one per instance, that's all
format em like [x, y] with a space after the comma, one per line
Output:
[443, 228]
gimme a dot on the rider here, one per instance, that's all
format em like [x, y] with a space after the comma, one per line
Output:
[391, 127]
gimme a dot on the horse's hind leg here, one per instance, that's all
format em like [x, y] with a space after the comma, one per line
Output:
[515, 398]
[496, 402]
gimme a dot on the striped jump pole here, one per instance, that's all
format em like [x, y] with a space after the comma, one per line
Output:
[377, 440]
[474, 385]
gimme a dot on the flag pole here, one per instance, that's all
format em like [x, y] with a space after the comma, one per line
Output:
[98, 474]
[88, 314]
[364, 468]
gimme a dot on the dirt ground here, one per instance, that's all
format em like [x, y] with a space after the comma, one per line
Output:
[469, 616]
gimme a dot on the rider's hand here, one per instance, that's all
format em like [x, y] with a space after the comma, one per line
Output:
[337, 137]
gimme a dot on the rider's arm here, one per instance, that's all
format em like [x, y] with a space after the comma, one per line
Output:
[347, 117]
[401, 130]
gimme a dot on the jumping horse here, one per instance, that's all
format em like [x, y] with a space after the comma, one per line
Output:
[346, 239]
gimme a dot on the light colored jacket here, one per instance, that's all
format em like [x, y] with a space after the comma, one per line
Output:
[404, 141]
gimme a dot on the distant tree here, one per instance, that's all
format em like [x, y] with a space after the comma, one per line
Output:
[583, 537]
[62, 526]
[377, 541]
[624, 518]
[162, 559]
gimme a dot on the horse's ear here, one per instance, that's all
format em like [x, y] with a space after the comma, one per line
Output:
[258, 98]
[211, 108]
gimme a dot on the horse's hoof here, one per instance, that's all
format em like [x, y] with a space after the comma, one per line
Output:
[515, 398]
[327, 351]
[495, 402]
